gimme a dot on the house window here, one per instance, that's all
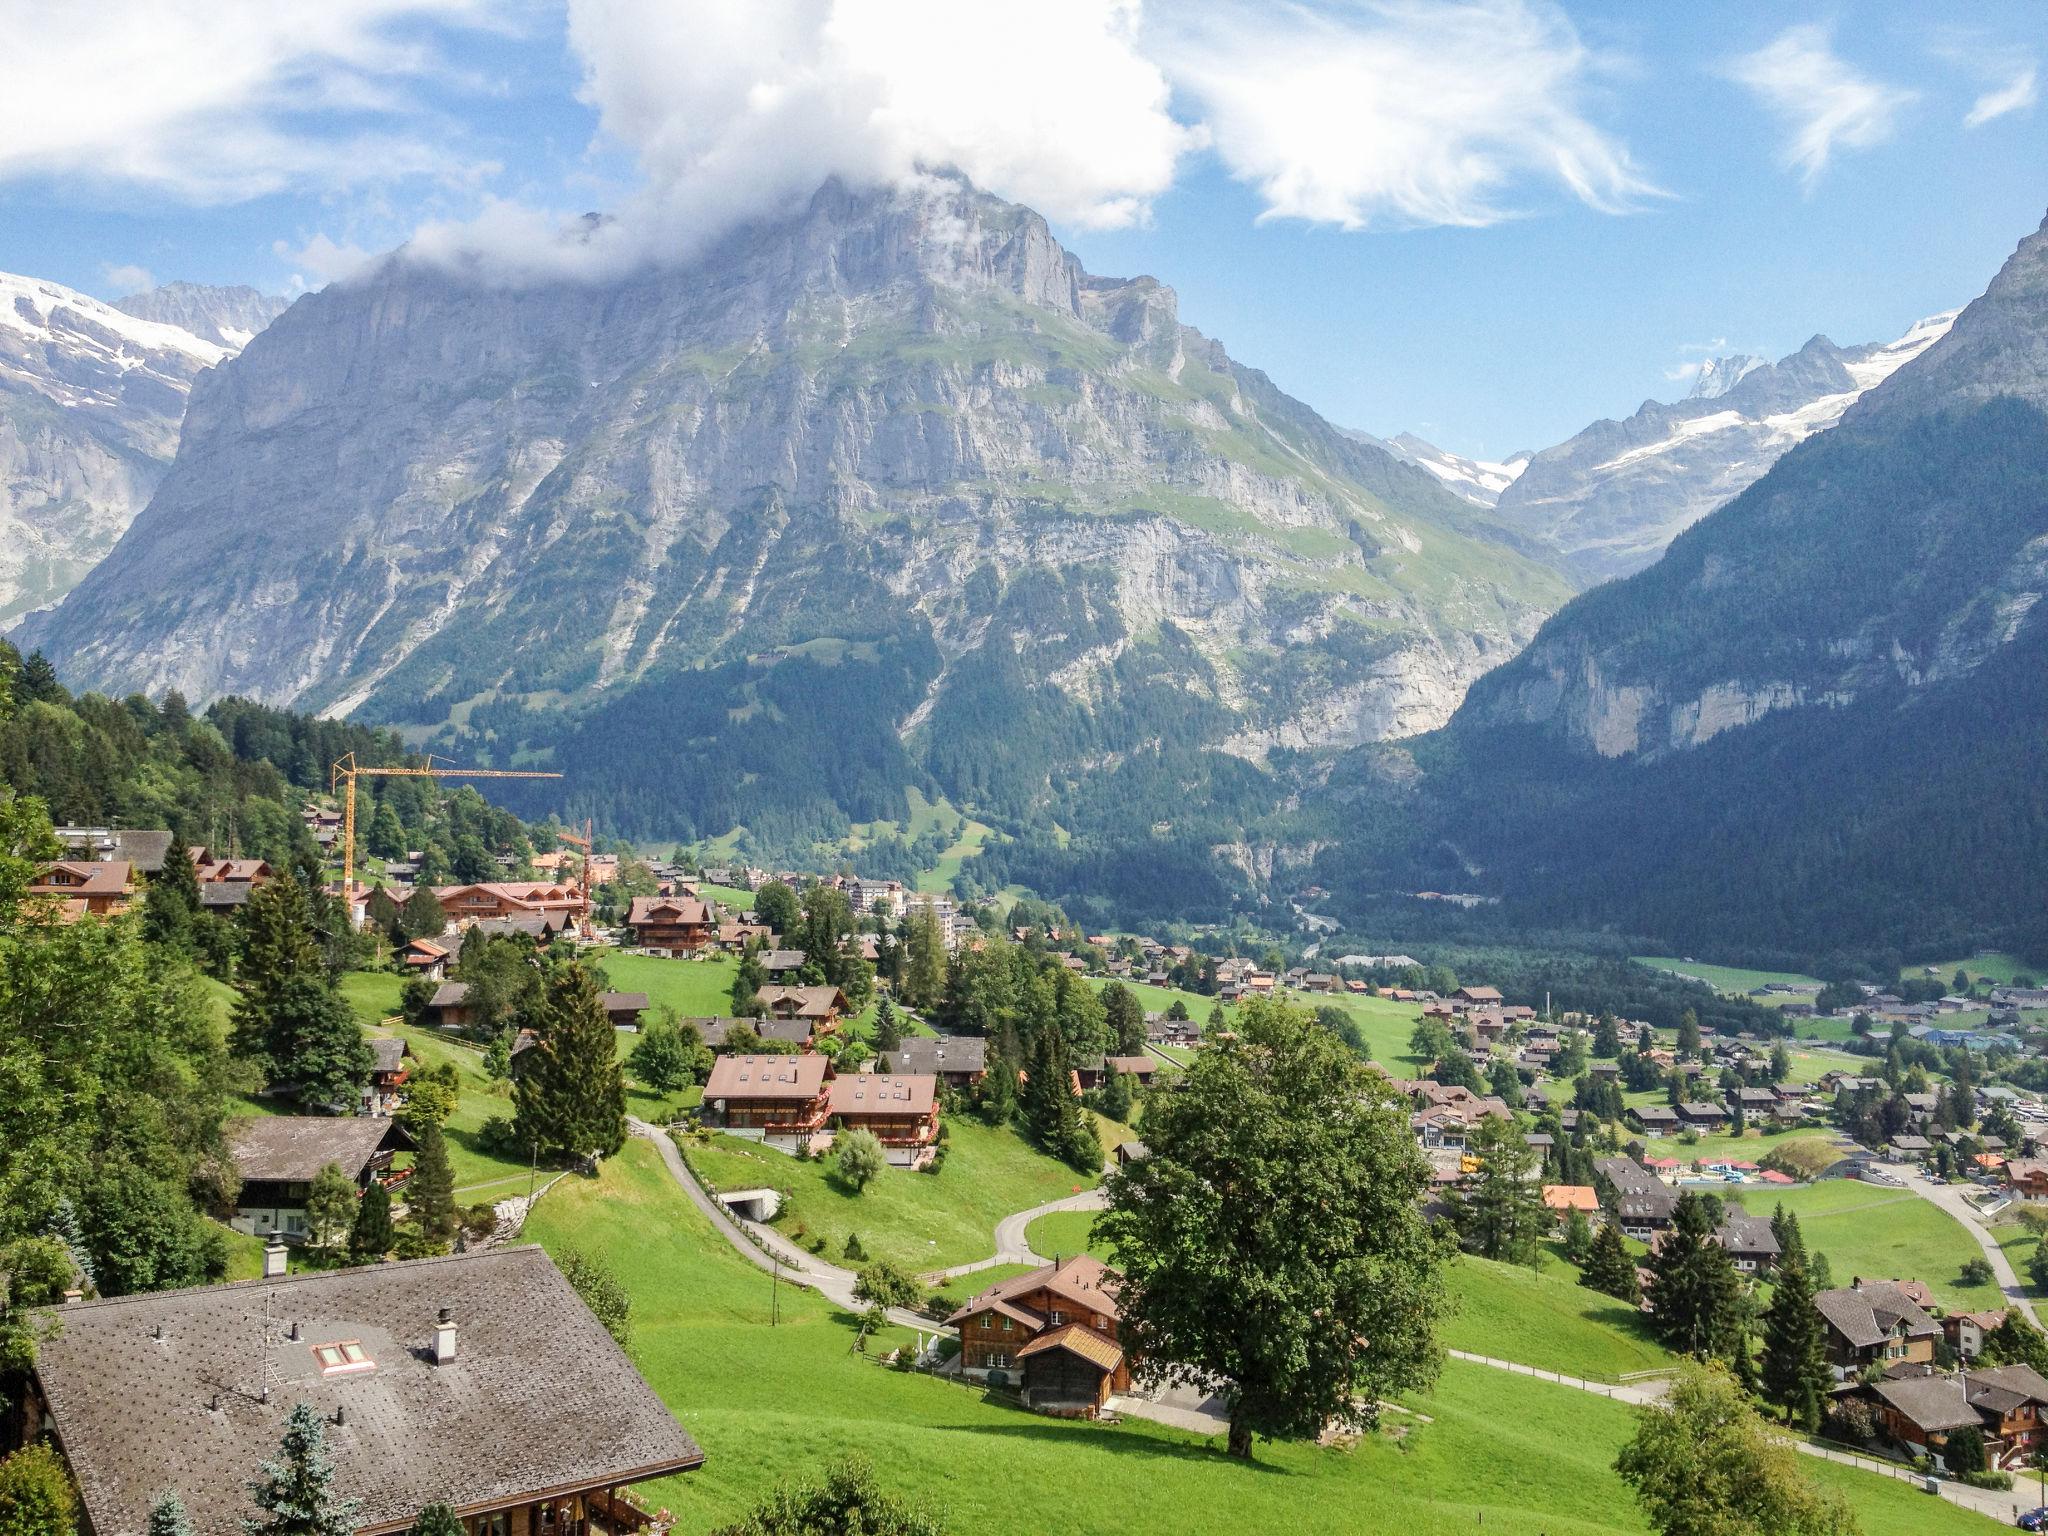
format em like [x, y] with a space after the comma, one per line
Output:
[343, 1359]
[1006, 1325]
[498, 1524]
[998, 1361]
[1058, 1317]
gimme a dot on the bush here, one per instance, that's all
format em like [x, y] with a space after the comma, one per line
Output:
[499, 1136]
[888, 1284]
[1999, 1480]
[480, 1220]
[1850, 1420]
[409, 1242]
[855, 1253]
[1977, 1272]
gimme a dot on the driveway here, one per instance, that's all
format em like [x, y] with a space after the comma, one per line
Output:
[1950, 1198]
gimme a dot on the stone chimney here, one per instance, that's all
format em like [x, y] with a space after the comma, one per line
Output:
[273, 1259]
[444, 1337]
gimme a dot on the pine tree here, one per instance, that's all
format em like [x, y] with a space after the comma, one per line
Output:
[430, 1192]
[1113, 1098]
[1695, 1293]
[437, 1520]
[1607, 1038]
[369, 1237]
[1609, 1269]
[1688, 1035]
[330, 1206]
[1795, 1367]
[278, 947]
[172, 906]
[888, 1032]
[167, 1517]
[68, 1230]
[1791, 1241]
[1503, 1216]
[747, 983]
[1578, 1237]
[313, 1043]
[422, 916]
[570, 1095]
[296, 1491]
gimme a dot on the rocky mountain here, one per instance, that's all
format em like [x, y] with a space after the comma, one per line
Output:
[1479, 481]
[1813, 725]
[91, 397]
[227, 317]
[901, 447]
[1612, 498]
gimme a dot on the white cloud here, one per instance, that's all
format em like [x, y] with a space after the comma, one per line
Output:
[221, 100]
[1825, 102]
[1400, 112]
[320, 261]
[2016, 95]
[128, 279]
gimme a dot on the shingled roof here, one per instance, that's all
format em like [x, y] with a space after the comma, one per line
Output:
[1865, 1313]
[292, 1149]
[190, 1389]
[940, 1054]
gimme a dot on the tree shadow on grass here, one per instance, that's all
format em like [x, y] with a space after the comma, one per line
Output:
[1108, 1438]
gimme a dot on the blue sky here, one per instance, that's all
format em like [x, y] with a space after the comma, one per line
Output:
[1489, 223]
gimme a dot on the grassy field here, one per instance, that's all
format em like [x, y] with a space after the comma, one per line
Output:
[1544, 1317]
[1385, 1024]
[696, 989]
[1065, 1233]
[1992, 965]
[1514, 1456]
[927, 1221]
[966, 1287]
[1727, 978]
[1879, 1234]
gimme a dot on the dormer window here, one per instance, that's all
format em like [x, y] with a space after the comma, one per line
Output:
[344, 1359]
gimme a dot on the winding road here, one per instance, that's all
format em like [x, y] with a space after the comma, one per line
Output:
[1949, 1197]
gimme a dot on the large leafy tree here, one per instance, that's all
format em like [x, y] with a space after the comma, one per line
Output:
[1273, 1244]
[279, 946]
[35, 1494]
[296, 1491]
[570, 1095]
[669, 1056]
[1704, 1464]
[313, 1044]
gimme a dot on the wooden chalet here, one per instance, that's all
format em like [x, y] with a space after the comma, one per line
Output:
[902, 1110]
[1053, 1332]
[820, 1007]
[958, 1061]
[424, 958]
[624, 1008]
[1919, 1410]
[102, 887]
[1875, 1322]
[388, 1076]
[671, 925]
[279, 1157]
[479, 1381]
[467, 904]
[780, 1099]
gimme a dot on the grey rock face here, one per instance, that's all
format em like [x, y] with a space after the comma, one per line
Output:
[886, 411]
[1614, 497]
[90, 402]
[227, 317]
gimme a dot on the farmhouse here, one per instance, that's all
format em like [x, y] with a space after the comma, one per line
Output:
[2028, 1177]
[423, 1373]
[820, 1007]
[672, 925]
[1875, 1322]
[2003, 1403]
[101, 887]
[1054, 1330]
[279, 1157]
[780, 1100]
[1654, 1119]
[901, 1110]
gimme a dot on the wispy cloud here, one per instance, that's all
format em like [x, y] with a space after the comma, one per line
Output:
[2016, 95]
[230, 99]
[126, 279]
[1825, 103]
[1370, 112]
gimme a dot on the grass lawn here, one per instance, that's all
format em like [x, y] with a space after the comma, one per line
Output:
[1065, 1233]
[1992, 965]
[926, 1221]
[1879, 1234]
[2018, 1243]
[1729, 978]
[1750, 1147]
[696, 989]
[966, 1287]
[1503, 1453]
[1545, 1318]
[374, 995]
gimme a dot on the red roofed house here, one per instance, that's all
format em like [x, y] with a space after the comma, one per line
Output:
[426, 959]
[87, 885]
[675, 925]
[901, 1109]
[1055, 1330]
[779, 1099]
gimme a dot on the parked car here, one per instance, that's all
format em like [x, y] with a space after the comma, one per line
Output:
[2035, 1519]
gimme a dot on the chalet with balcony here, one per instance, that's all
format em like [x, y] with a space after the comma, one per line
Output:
[670, 925]
[423, 1375]
[464, 905]
[1053, 1332]
[958, 1061]
[102, 887]
[389, 1074]
[1875, 1322]
[279, 1157]
[1918, 1410]
[425, 959]
[779, 1100]
[902, 1110]
[820, 1007]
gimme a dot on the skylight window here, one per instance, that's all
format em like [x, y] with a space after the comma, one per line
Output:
[344, 1359]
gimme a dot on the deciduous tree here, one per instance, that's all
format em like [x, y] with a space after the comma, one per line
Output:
[858, 1159]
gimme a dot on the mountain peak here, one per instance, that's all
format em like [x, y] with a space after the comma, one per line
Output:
[1718, 375]
[227, 317]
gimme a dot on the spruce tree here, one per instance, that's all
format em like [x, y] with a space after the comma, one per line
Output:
[70, 1231]
[1503, 1216]
[1795, 1368]
[1578, 1237]
[172, 906]
[752, 976]
[888, 1032]
[296, 1491]
[1695, 1293]
[430, 1192]
[278, 946]
[369, 1236]
[422, 916]
[570, 1095]
[1609, 1268]
[167, 1517]
[1688, 1035]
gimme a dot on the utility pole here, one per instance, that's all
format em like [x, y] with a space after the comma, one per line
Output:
[774, 1289]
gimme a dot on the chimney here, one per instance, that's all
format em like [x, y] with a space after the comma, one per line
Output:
[73, 1294]
[444, 1337]
[273, 1259]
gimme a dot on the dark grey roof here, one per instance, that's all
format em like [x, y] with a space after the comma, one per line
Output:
[1866, 1314]
[1746, 1234]
[625, 1002]
[1931, 1402]
[294, 1148]
[795, 1031]
[142, 847]
[777, 960]
[940, 1054]
[712, 1030]
[450, 994]
[224, 893]
[389, 1053]
[538, 1398]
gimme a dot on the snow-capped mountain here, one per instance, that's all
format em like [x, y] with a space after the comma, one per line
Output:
[1479, 481]
[227, 317]
[91, 398]
[1612, 498]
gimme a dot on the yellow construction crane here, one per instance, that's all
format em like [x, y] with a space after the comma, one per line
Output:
[347, 771]
[589, 847]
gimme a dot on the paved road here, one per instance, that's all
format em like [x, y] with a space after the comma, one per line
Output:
[1950, 1198]
[1011, 1247]
[1990, 1502]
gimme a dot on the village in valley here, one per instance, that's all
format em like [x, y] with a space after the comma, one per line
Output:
[674, 1077]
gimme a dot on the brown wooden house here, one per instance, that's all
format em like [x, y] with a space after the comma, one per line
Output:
[674, 925]
[820, 1007]
[901, 1110]
[1875, 1322]
[776, 1097]
[101, 887]
[279, 1157]
[465, 904]
[479, 1381]
[1052, 1331]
